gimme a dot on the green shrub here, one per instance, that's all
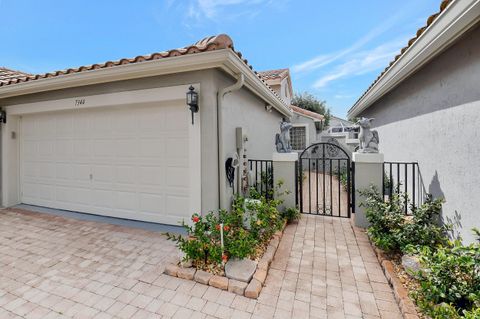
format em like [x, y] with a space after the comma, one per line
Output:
[391, 230]
[450, 282]
[291, 214]
[203, 243]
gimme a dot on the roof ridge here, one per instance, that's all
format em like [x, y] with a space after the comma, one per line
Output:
[210, 43]
[221, 41]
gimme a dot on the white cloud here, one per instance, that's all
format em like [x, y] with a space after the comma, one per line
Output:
[214, 8]
[362, 62]
[323, 60]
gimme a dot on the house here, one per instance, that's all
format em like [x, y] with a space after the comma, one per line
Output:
[280, 81]
[426, 106]
[118, 138]
[307, 125]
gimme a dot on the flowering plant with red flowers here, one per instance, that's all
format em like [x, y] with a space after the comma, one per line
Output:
[241, 239]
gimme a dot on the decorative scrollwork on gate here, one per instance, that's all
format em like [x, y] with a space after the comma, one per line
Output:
[333, 148]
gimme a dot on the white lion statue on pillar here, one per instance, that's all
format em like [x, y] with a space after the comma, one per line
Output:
[368, 138]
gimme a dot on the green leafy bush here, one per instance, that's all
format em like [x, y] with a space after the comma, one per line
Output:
[291, 214]
[391, 230]
[450, 282]
[203, 244]
[203, 241]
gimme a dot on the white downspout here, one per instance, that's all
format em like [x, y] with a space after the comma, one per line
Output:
[221, 156]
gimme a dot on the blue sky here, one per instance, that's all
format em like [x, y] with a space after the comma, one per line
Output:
[334, 49]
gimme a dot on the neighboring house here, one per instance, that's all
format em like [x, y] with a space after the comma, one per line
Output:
[341, 127]
[307, 125]
[426, 106]
[336, 121]
[117, 138]
[306, 129]
[281, 82]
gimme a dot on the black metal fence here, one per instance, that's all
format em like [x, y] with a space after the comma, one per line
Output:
[404, 177]
[262, 171]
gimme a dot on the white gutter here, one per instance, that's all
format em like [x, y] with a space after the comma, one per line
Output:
[452, 23]
[221, 156]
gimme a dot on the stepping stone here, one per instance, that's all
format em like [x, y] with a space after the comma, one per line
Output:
[241, 270]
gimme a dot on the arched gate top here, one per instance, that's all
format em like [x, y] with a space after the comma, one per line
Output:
[326, 150]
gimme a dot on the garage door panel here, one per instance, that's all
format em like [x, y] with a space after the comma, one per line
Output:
[127, 201]
[103, 148]
[103, 198]
[176, 205]
[46, 149]
[121, 162]
[149, 175]
[152, 203]
[64, 126]
[177, 154]
[63, 149]
[103, 173]
[45, 127]
[152, 148]
[176, 119]
[177, 177]
[81, 148]
[126, 148]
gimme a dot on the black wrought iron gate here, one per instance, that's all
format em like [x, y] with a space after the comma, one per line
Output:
[325, 181]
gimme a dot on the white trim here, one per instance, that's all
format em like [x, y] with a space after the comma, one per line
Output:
[456, 19]
[307, 137]
[226, 59]
[285, 157]
[157, 95]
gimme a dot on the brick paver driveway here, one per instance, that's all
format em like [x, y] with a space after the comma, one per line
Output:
[53, 267]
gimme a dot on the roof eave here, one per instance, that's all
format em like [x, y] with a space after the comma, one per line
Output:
[457, 18]
[183, 63]
[226, 59]
[307, 116]
[253, 83]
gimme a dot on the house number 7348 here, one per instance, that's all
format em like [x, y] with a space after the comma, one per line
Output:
[79, 102]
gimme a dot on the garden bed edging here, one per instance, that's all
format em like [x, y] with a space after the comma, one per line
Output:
[406, 305]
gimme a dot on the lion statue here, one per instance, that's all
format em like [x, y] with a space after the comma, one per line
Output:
[368, 138]
[282, 139]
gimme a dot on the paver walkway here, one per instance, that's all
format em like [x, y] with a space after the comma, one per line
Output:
[331, 200]
[52, 267]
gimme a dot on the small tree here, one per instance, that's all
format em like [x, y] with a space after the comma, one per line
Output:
[309, 102]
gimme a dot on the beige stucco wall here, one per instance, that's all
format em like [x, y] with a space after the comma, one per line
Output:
[433, 118]
[242, 108]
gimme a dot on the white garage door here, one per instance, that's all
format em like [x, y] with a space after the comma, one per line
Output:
[129, 162]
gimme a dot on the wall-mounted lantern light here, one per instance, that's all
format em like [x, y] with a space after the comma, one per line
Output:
[3, 117]
[192, 101]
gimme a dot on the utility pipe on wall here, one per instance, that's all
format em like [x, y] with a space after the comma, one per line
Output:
[221, 156]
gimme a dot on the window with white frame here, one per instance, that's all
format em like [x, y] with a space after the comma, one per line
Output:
[298, 137]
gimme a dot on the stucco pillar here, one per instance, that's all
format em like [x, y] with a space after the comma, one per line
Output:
[284, 170]
[368, 171]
